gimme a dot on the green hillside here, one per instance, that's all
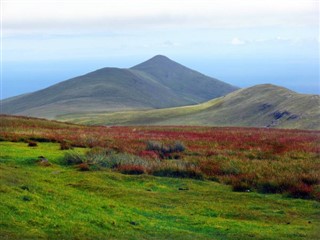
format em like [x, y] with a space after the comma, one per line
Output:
[259, 106]
[156, 83]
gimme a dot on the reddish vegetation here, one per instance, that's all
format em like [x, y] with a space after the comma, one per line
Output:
[83, 167]
[268, 160]
[32, 144]
[131, 169]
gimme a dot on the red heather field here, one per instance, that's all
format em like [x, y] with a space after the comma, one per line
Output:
[249, 159]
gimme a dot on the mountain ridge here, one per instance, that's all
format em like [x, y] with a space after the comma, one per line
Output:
[160, 91]
[264, 105]
[164, 84]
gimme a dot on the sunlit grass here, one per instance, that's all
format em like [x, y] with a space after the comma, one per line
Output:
[59, 201]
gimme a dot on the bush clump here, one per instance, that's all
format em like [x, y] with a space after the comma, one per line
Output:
[32, 144]
[177, 147]
[268, 187]
[240, 186]
[65, 145]
[178, 173]
[301, 191]
[74, 158]
[166, 151]
[154, 146]
[103, 158]
[84, 167]
[131, 169]
[41, 139]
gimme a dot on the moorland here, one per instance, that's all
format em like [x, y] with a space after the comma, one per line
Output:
[68, 181]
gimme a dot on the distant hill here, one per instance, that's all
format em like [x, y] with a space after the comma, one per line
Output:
[156, 83]
[188, 84]
[259, 106]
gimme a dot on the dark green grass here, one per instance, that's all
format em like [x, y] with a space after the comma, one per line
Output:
[59, 202]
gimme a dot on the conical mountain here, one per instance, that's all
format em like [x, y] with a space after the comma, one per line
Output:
[156, 83]
[190, 85]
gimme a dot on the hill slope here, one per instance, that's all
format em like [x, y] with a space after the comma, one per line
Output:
[188, 84]
[156, 83]
[259, 106]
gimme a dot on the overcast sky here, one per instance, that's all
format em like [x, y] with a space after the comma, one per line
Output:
[241, 42]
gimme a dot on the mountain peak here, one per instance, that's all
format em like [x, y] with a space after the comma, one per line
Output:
[156, 83]
[160, 57]
[156, 62]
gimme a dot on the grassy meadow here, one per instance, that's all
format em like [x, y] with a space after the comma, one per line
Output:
[156, 182]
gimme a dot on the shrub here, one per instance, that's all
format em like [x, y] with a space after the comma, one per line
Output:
[83, 167]
[210, 168]
[73, 158]
[178, 173]
[26, 198]
[32, 144]
[177, 147]
[154, 146]
[116, 160]
[274, 186]
[41, 139]
[90, 141]
[96, 156]
[65, 145]
[240, 186]
[310, 179]
[301, 191]
[165, 151]
[131, 169]
[268, 187]
[100, 157]
[242, 182]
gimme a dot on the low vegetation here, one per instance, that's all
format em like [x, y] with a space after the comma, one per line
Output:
[43, 198]
[166, 151]
[248, 159]
[78, 182]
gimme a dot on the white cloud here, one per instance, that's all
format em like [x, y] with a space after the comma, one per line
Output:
[56, 16]
[237, 41]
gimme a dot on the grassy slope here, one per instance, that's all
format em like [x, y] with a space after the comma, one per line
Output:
[255, 106]
[59, 202]
[105, 89]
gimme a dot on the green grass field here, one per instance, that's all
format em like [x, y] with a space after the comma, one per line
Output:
[61, 202]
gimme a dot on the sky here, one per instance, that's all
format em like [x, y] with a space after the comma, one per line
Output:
[243, 43]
